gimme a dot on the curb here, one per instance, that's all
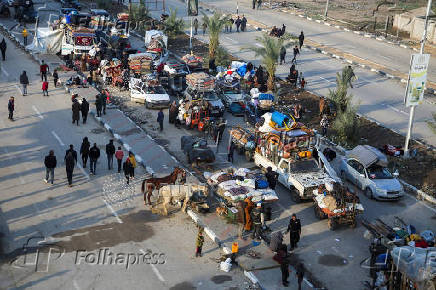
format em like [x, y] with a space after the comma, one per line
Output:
[419, 193]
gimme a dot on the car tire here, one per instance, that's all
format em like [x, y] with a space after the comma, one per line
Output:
[368, 193]
[332, 224]
[295, 196]
[343, 176]
[188, 158]
[147, 106]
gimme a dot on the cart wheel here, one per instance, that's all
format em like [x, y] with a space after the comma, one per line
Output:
[316, 211]
[332, 224]
[295, 196]
[248, 156]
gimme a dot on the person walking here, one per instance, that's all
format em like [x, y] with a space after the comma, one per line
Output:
[195, 26]
[350, 76]
[72, 152]
[230, 153]
[238, 23]
[110, 151]
[127, 168]
[253, 4]
[132, 161]
[243, 23]
[50, 165]
[84, 108]
[24, 81]
[69, 166]
[324, 125]
[76, 111]
[301, 39]
[43, 69]
[160, 119]
[204, 25]
[294, 230]
[25, 34]
[45, 88]
[98, 105]
[282, 54]
[231, 22]
[271, 177]
[284, 265]
[296, 51]
[3, 47]
[257, 223]
[94, 154]
[84, 151]
[259, 4]
[300, 271]
[199, 242]
[103, 102]
[119, 154]
[55, 78]
[11, 108]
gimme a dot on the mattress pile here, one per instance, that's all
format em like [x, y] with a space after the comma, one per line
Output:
[140, 63]
[193, 60]
[200, 81]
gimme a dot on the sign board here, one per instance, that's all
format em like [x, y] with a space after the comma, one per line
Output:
[192, 7]
[417, 78]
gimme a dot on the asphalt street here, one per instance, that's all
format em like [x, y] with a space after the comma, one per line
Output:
[379, 99]
[98, 213]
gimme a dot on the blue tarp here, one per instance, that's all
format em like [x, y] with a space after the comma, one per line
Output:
[266, 97]
[280, 119]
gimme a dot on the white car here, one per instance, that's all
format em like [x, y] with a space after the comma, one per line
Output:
[152, 96]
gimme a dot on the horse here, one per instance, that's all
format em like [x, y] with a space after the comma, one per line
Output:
[157, 182]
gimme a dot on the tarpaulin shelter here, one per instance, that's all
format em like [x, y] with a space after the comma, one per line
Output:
[46, 41]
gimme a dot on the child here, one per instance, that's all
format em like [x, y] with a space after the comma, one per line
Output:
[199, 243]
[302, 84]
[45, 88]
[324, 125]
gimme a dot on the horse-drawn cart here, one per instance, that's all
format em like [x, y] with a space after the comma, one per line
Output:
[337, 205]
[243, 140]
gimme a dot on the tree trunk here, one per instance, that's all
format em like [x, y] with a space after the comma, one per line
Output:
[270, 82]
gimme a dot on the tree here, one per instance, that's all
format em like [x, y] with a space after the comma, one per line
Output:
[269, 51]
[173, 25]
[347, 126]
[215, 24]
[138, 15]
[340, 96]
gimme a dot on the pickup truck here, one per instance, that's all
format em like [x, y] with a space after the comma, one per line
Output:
[301, 177]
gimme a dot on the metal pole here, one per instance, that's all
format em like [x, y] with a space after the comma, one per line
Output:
[190, 38]
[412, 108]
[326, 10]
[237, 8]
[386, 26]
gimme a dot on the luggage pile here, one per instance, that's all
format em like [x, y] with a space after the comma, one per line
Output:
[140, 63]
[200, 81]
[156, 44]
[193, 61]
[335, 199]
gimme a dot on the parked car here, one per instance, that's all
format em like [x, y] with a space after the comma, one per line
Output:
[71, 4]
[4, 9]
[196, 149]
[65, 11]
[152, 96]
[365, 167]
[26, 14]
[210, 96]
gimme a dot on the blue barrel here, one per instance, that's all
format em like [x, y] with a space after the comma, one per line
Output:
[280, 119]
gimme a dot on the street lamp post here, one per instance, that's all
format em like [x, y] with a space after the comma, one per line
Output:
[326, 10]
[412, 108]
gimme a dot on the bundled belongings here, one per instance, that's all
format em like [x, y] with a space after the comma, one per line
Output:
[193, 61]
[200, 81]
[140, 63]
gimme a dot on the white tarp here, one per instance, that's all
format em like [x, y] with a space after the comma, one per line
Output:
[47, 41]
[150, 34]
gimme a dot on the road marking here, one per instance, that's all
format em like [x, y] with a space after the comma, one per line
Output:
[155, 270]
[326, 80]
[37, 112]
[57, 138]
[5, 72]
[397, 110]
[421, 202]
[113, 211]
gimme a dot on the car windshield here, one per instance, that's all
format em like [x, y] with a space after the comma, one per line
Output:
[155, 90]
[304, 166]
[210, 96]
[379, 172]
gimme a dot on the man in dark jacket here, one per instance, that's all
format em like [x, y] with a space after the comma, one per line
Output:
[84, 108]
[94, 154]
[11, 108]
[76, 111]
[243, 23]
[3, 47]
[301, 39]
[160, 119]
[103, 102]
[24, 81]
[195, 26]
[284, 266]
[271, 177]
[255, 216]
[282, 54]
[98, 105]
[296, 51]
[237, 23]
[294, 230]
[72, 152]
[70, 161]
[110, 151]
[50, 164]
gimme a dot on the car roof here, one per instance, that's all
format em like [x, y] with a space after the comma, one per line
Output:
[367, 155]
[99, 12]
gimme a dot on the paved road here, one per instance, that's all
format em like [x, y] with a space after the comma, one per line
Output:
[380, 99]
[98, 212]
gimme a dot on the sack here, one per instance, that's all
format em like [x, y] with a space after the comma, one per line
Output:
[261, 184]
[226, 266]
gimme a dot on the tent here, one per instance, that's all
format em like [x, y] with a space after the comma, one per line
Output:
[46, 41]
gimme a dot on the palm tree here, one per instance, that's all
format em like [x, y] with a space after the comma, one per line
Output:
[340, 96]
[215, 24]
[269, 51]
[138, 14]
[173, 25]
